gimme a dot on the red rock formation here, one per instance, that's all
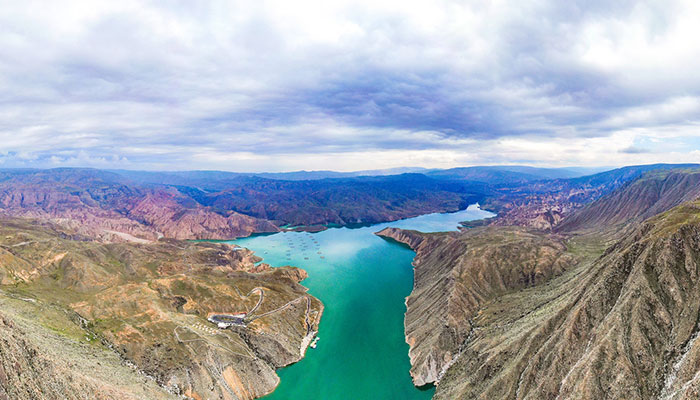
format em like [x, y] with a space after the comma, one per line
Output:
[161, 211]
[111, 210]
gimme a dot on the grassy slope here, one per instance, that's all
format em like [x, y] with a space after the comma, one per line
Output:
[151, 301]
[46, 354]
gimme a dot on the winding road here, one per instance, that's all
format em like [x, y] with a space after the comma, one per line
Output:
[288, 304]
[261, 292]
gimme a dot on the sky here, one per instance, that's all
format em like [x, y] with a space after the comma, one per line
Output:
[348, 85]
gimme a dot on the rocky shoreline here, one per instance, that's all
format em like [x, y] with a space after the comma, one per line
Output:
[454, 277]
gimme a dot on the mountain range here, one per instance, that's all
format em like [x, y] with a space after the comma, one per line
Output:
[604, 305]
[582, 286]
[138, 205]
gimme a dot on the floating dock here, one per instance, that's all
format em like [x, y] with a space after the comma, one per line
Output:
[314, 342]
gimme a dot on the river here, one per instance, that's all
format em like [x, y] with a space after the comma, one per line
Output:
[363, 281]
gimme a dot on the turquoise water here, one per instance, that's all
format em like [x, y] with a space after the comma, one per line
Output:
[362, 280]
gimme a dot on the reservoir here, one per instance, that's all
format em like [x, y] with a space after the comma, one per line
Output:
[363, 281]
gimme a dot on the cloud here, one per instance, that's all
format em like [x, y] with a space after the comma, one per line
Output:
[278, 85]
[634, 150]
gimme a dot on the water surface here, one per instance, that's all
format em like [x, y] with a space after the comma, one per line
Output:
[362, 280]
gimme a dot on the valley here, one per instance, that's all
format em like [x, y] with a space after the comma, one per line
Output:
[363, 281]
[579, 287]
[349, 200]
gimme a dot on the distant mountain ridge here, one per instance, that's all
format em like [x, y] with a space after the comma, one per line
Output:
[188, 178]
[491, 174]
[655, 192]
[220, 205]
[98, 203]
[499, 175]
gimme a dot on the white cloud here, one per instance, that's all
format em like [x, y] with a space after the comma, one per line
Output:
[346, 84]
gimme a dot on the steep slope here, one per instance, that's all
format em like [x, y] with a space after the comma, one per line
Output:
[620, 176]
[544, 204]
[149, 304]
[163, 211]
[98, 203]
[618, 324]
[44, 354]
[621, 327]
[652, 194]
[343, 201]
[455, 274]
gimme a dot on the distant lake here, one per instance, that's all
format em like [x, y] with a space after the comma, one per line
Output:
[363, 281]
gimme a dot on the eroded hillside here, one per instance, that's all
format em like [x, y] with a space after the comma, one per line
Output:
[621, 327]
[148, 304]
[45, 354]
[654, 193]
[457, 274]
[112, 207]
[505, 312]
[547, 204]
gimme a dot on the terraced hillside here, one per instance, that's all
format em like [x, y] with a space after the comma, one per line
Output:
[144, 305]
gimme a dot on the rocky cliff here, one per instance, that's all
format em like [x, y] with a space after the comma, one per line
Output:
[456, 274]
[502, 312]
[622, 326]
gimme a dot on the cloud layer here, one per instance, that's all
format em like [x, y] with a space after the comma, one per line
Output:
[278, 85]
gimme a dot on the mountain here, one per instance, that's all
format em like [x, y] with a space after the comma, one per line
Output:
[80, 312]
[504, 174]
[455, 275]
[544, 204]
[626, 174]
[583, 287]
[102, 204]
[208, 178]
[114, 206]
[137, 205]
[515, 312]
[313, 175]
[343, 201]
[491, 174]
[505, 314]
[536, 197]
[653, 193]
